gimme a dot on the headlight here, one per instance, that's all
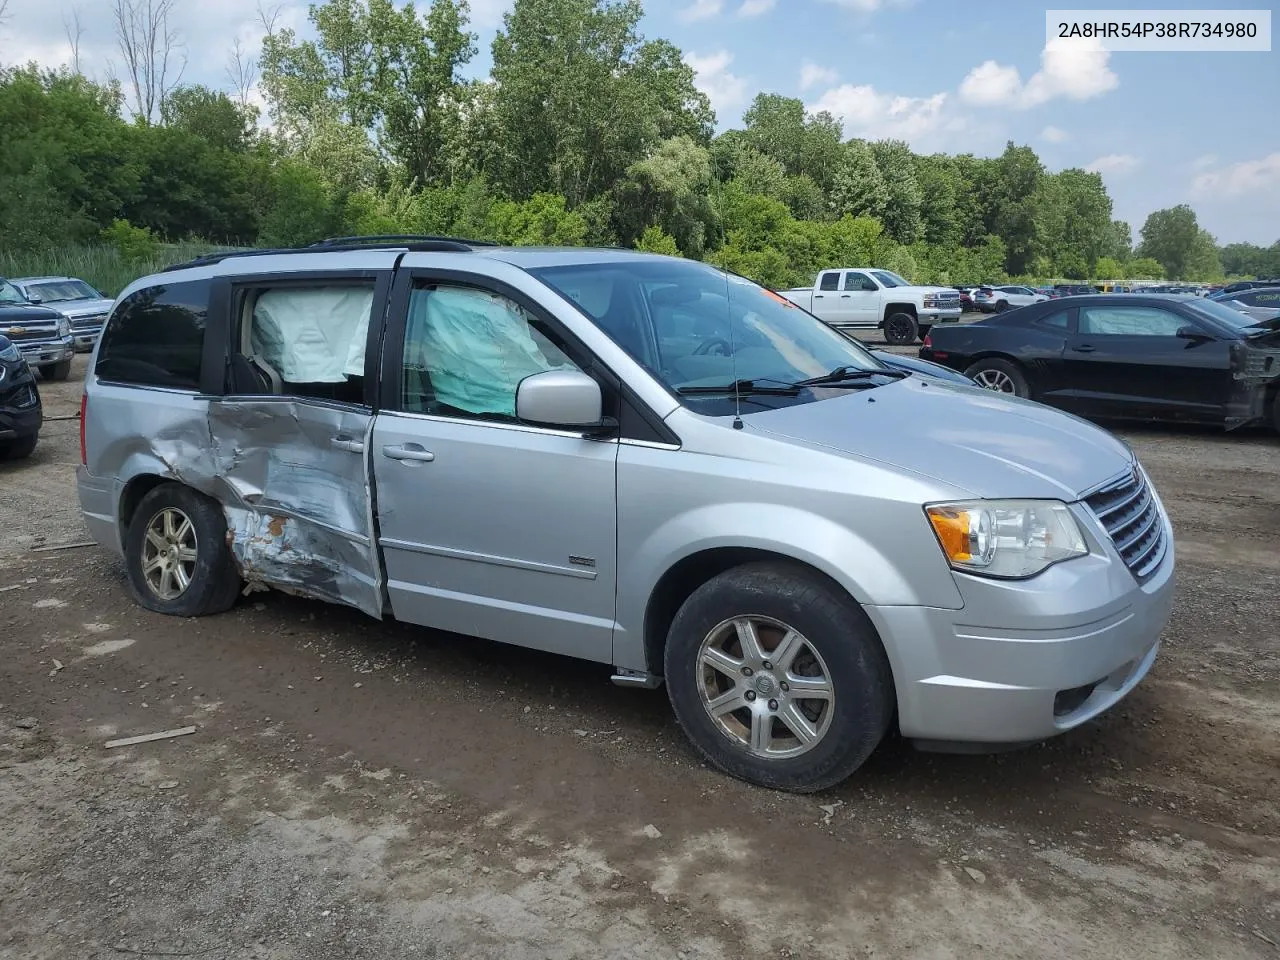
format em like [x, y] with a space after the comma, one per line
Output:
[64, 327]
[1006, 538]
[10, 352]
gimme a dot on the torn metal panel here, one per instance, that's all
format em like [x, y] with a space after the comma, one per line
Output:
[294, 484]
[1255, 373]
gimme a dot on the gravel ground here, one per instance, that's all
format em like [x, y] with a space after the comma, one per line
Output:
[355, 789]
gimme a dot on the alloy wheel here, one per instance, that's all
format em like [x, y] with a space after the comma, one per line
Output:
[169, 553]
[996, 380]
[765, 687]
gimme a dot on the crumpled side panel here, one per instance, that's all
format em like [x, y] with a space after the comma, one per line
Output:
[1255, 367]
[298, 506]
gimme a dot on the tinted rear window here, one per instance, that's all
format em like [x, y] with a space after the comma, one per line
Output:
[155, 337]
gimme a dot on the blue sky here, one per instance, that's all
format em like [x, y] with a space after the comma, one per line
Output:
[946, 75]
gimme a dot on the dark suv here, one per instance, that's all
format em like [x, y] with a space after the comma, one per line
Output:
[20, 412]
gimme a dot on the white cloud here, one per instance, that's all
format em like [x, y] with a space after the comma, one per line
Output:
[1205, 161]
[811, 74]
[1053, 134]
[701, 10]
[1074, 69]
[870, 6]
[755, 8]
[726, 91]
[487, 14]
[1239, 179]
[866, 112]
[1115, 163]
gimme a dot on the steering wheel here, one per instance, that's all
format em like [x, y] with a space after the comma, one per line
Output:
[705, 348]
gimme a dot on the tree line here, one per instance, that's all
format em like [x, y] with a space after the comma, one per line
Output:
[585, 132]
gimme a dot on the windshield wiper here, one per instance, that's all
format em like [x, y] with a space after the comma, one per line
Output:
[850, 375]
[746, 388]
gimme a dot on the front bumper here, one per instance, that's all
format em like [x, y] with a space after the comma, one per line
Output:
[940, 314]
[48, 351]
[1025, 660]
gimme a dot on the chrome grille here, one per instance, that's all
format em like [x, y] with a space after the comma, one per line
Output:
[1129, 513]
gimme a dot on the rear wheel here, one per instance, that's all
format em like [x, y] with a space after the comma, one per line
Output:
[1002, 306]
[778, 677]
[56, 371]
[19, 449]
[1001, 376]
[900, 329]
[176, 554]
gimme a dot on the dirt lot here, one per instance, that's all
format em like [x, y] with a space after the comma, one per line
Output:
[364, 790]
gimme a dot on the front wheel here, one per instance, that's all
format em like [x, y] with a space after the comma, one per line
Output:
[1000, 376]
[176, 554]
[56, 371]
[1002, 306]
[900, 329]
[778, 678]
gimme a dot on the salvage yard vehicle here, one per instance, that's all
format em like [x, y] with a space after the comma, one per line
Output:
[84, 306]
[1000, 299]
[638, 460]
[1127, 356]
[866, 298]
[42, 336]
[20, 411]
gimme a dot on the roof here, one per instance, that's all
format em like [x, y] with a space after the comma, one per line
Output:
[43, 279]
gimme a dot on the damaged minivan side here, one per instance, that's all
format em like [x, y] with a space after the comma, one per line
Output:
[637, 460]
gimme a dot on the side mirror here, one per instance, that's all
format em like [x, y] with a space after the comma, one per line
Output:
[560, 398]
[1194, 334]
[35, 298]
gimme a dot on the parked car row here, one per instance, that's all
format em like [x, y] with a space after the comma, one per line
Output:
[20, 410]
[862, 298]
[49, 318]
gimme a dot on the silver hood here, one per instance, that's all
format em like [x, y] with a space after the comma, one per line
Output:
[73, 309]
[984, 443]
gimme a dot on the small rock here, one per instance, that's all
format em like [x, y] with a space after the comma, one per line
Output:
[580, 733]
[652, 832]
[27, 723]
[166, 784]
[977, 876]
[485, 870]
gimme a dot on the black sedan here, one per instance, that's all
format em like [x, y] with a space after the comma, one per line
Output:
[20, 411]
[1131, 356]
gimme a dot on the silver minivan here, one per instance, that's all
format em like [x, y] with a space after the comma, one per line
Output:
[637, 460]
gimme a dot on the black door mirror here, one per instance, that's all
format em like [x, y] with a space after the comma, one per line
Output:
[1193, 333]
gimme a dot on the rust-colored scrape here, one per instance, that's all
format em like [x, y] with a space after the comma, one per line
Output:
[276, 526]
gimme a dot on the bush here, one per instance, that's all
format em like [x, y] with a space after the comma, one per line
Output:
[136, 245]
[657, 240]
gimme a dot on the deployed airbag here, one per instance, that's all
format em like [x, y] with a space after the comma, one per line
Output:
[313, 335]
[476, 347]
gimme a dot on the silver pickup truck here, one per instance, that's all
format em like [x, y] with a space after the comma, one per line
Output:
[868, 298]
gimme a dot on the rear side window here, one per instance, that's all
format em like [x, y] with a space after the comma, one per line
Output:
[155, 336]
[829, 281]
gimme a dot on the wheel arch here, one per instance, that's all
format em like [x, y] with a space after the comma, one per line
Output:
[891, 308]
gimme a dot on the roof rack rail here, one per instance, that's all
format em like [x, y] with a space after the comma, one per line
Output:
[420, 243]
[414, 240]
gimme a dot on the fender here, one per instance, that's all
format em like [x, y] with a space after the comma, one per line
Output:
[863, 570]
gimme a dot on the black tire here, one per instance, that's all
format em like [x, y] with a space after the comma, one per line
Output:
[19, 449]
[1275, 412]
[1002, 306]
[900, 329]
[851, 659]
[56, 371]
[1001, 376]
[214, 582]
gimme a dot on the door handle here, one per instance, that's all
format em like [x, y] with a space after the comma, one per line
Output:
[1084, 348]
[412, 453]
[844, 296]
[818, 296]
[347, 444]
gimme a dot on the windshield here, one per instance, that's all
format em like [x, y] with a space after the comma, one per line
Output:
[10, 294]
[1219, 311]
[695, 327]
[889, 279]
[58, 291]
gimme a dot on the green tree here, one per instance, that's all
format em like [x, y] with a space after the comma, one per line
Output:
[580, 96]
[656, 240]
[302, 209]
[940, 189]
[1008, 188]
[210, 115]
[670, 188]
[1120, 241]
[896, 163]
[1144, 268]
[805, 145]
[374, 67]
[1109, 268]
[1171, 237]
[541, 220]
[858, 189]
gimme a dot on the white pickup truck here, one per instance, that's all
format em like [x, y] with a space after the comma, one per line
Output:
[865, 297]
